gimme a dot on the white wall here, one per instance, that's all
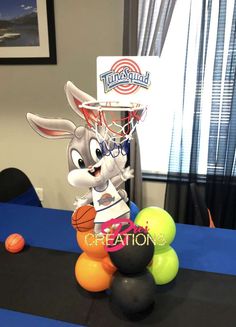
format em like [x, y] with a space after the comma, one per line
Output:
[153, 194]
[85, 29]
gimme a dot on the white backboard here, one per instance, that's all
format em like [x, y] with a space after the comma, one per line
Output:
[127, 79]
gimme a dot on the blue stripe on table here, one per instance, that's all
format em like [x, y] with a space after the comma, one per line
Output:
[206, 249]
[9, 318]
[46, 228]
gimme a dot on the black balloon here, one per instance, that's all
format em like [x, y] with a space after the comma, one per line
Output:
[133, 293]
[135, 255]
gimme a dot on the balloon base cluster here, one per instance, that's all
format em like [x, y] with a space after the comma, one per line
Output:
[133, 269]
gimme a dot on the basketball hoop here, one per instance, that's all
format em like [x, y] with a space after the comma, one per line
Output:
[113, 130]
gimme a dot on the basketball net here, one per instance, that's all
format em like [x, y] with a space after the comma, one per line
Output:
[114, 123]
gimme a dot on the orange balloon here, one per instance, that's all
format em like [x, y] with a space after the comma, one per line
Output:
[91, 244]
[108, 265]
[91, 275]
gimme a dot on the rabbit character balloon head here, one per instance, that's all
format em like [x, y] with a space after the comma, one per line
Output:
[88, 166]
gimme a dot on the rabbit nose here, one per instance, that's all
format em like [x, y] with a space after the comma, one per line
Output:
[90, 167]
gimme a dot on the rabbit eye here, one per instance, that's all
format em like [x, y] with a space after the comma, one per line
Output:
[77, 159]
[95, 150]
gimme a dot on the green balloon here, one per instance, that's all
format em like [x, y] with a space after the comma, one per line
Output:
[164, 266]
[159, 223]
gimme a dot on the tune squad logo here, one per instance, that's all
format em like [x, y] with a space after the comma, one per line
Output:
[125, 77]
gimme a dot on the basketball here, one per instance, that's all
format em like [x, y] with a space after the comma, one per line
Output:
[83, 218]
[14, 243]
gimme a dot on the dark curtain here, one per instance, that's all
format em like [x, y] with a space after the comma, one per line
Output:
[130, 30]
[153, 25]
[218, 187]
[178, 198]
[221, 187]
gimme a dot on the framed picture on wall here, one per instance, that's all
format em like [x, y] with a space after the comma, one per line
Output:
[27, 32]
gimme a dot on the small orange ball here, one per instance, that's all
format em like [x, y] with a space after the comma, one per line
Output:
[14, 243]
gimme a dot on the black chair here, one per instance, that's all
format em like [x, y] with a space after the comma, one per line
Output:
[203, 214]
[15, 187]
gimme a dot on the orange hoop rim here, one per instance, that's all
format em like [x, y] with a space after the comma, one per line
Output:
[95, 115]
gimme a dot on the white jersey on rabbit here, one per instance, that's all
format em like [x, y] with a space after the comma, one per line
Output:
[108, 203]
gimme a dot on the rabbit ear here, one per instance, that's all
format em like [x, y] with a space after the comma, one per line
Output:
[76, 97]
[51, 128]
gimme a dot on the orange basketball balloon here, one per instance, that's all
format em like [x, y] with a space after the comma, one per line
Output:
[108, 265]
[91, 275]
[14, 243]
[83, 218]
[92, 244]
